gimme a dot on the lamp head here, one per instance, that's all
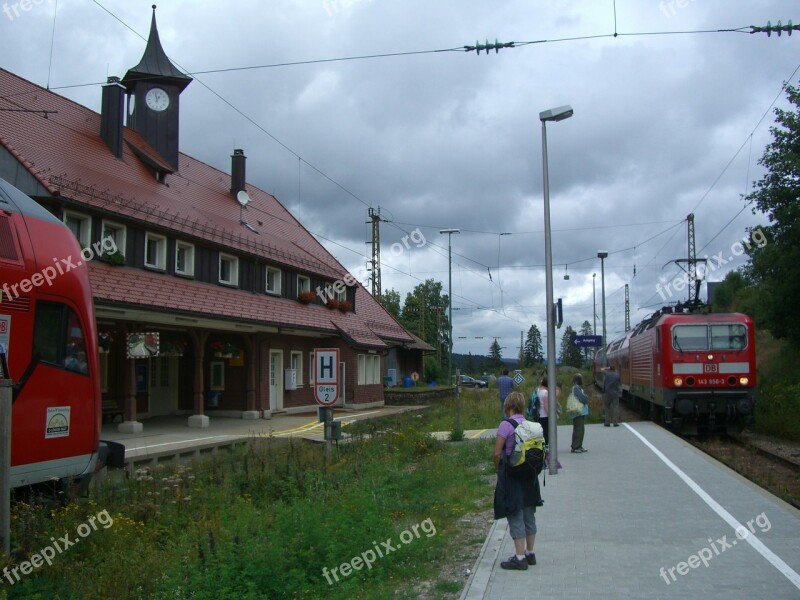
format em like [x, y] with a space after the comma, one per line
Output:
[602, 254]
[449, 231]
[556, 114]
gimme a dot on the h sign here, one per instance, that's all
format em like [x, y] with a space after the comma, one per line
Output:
[326, 375]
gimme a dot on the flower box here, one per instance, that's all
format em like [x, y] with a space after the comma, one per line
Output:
[306, 297]
[332, 303]
[345, 306]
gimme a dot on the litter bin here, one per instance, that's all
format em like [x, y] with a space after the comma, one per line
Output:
[407, 381]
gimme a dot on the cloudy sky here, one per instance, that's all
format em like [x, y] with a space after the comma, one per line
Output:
[663, 126]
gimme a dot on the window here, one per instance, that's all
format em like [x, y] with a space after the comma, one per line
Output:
[690, 337]
[228, 269]
[58, 337]
[104, 372]
[81, 227]
[184, 259]
[273, 280]
[731, 336]
[303, 284]
[114, 232]
[369, 369]
[155, 251]
[296, 361]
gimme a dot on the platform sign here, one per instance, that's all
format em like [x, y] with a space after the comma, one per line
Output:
[587, 341]
[326, 376]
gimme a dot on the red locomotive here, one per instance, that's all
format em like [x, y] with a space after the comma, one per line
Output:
[696, 372]
[48, 332]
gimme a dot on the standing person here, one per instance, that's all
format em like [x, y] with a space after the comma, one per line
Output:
[543, 409]
[505, 385]
[578, 421]
[515, 499]
[611, 393]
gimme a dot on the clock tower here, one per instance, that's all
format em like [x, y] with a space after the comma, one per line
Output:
[154, 87]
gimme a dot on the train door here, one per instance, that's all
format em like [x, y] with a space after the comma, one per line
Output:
[163, 385]
[276, 380]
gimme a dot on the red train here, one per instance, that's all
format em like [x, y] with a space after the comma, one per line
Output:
[47, 329]
[695, 372]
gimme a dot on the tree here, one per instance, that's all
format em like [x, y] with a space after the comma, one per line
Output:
[391, 302]
[775, 249]
[570, 355]
[425, 314]
[533, 354]
[586, 329]
[469, 367]
[495, 356]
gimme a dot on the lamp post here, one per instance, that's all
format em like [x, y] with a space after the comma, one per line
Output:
[449, 233]
[602, 254]
[594, 303]
[553, 114]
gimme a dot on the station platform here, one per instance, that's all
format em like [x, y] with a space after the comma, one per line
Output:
[643, 514]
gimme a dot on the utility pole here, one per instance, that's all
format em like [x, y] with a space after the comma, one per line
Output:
[375, 217]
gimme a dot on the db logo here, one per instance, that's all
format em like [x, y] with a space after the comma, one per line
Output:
[3, 326]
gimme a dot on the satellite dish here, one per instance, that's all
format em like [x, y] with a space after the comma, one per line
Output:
[243, 198]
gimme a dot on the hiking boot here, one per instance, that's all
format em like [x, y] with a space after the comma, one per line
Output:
[514, 564]
[531, 558]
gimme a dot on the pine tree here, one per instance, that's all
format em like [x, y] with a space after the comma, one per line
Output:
[586, 329]
[495, 356]
[533, 354]
[570, 355]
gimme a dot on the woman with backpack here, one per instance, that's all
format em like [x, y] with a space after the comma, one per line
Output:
[515, 499]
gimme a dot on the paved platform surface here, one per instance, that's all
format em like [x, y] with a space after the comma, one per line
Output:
[644, 515]
[164, 434]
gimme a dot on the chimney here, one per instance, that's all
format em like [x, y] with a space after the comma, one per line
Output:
[111, 115]
[238, 177]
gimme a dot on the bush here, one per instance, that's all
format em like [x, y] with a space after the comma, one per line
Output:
[778, 410]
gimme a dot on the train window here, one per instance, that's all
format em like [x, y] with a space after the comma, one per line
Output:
[58, 337]
[690, 337]
[728, 337]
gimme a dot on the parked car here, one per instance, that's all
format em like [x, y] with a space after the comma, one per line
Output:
[467, 381]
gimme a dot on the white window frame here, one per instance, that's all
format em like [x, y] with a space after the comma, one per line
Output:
[311, 368]
[120, 235]
[234, 269]
[369, 369]
[278, 276]
[161, 251]
[216, 375]
[189, 248]
[85, 237]
[296, 363]
[303, 284]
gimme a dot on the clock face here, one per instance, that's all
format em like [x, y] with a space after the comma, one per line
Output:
[157, 99]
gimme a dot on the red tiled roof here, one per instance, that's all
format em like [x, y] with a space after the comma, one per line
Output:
[66, 154]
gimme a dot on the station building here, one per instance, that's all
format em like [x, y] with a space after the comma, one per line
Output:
[233, 291]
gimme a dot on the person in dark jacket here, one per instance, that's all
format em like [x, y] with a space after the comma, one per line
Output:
[611, 393]
[578, 421]
[515, 499]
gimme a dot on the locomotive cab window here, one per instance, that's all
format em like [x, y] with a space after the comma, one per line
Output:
[690, 337]
[728, 337]
[58, 337]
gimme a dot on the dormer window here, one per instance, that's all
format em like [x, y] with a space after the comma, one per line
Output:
[155, 251]
[80, 225]
[303, 284]
[273, 281]
[228, 269]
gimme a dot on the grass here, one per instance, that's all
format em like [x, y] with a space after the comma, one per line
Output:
[264, 520]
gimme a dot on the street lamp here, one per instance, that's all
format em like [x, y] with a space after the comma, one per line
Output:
[594, 302]
[602, 254]
[554, 114]
[450, 233]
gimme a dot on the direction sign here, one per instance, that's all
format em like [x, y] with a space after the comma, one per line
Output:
[518, 379]
[587, 341]
[326, 376]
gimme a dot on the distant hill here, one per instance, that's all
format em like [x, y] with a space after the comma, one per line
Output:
[479, 362]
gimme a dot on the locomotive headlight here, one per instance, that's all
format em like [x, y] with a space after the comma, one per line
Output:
[743, 381]
[710, 357]
[678, 381]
